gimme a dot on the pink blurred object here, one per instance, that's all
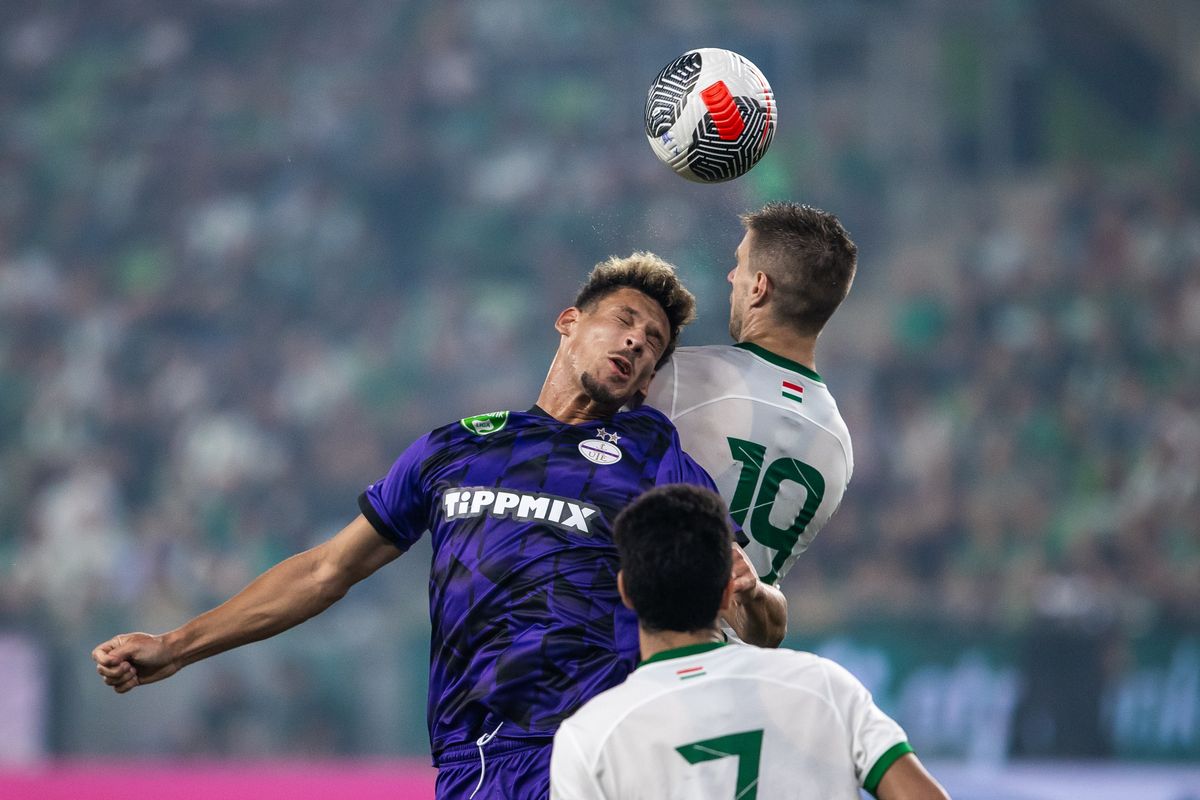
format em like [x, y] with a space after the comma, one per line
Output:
[287, 780]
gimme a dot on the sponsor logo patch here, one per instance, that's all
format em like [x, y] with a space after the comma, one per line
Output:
[478, 501]
[483, 424]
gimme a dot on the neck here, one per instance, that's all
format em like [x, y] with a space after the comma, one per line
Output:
[654, 642]
[781, 341]
[564, 399]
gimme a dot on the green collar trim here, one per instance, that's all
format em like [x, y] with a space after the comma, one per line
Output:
[680, 652]
[778, 360]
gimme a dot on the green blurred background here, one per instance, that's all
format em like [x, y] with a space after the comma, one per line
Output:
[250, 249]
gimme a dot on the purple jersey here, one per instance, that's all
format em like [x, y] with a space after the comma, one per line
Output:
[527, 623]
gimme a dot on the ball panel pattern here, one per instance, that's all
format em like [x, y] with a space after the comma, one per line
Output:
[725, 114]
[669, 93]
[710, 115]
[713, 158]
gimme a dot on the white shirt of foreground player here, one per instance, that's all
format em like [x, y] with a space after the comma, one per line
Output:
[718, 722]
[769, 433]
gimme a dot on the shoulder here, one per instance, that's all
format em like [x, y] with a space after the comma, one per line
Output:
[480, 424]
[840, 684]
[645, 416]
[703, 351]
[653, 431]
[781, 658]
[690, 358]
[473, 436]
[742, 366]
[700, 372]
[796, 669]
[802, 674]
[486, 425]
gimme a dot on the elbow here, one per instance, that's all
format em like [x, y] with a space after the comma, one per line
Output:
[772, 634]
[776, 635]
[762, 632]
[330, 592]
[775, 618]
[763, 638]
[329, 583]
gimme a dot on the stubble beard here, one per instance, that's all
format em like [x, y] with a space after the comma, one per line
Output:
[735, 323]
[600, 393]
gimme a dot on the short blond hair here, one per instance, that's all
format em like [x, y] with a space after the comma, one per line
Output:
[650, 275]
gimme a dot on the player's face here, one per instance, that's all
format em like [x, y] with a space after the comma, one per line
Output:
[741, 278]
[615, 345]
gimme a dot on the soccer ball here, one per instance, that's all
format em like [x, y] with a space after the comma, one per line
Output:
[710, 115]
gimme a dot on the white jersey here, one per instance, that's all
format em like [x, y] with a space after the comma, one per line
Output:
[769, 433]
[717, 722]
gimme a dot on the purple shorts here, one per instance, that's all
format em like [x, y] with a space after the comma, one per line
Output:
[511, 770]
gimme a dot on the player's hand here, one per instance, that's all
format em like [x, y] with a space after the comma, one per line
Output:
[746, 585]
[133, 659]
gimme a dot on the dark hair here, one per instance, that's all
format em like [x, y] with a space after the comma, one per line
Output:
[651, 276]
[676, 550]
[809, 257]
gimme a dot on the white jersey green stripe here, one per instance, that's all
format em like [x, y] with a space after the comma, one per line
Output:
[769, 433]
[755, 723]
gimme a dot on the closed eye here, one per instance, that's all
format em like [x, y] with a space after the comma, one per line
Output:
[628, 317]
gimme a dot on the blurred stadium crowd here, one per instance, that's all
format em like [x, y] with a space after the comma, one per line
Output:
[249, 252]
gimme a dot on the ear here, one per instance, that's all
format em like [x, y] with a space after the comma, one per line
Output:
[726, 597]
[761, 289]
[621, 590]
[566, 320]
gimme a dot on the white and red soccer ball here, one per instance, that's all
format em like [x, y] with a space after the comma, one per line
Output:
[710, 115]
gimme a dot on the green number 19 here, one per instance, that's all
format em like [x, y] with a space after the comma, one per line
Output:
[744, 502]
[746, 747]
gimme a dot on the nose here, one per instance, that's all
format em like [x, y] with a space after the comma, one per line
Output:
[729, 276]
[635, 341]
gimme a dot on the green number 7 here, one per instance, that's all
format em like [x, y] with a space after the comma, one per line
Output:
[746, 747]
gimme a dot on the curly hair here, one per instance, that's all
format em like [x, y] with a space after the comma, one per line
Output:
[651, 276]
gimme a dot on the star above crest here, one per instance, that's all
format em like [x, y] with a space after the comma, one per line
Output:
[608, 437]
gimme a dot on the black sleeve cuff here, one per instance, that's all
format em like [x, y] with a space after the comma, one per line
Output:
[368, 511]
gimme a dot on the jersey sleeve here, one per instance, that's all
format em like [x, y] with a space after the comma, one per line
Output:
[876, 740]
[678, 467]
[397, 505]
[570, 778]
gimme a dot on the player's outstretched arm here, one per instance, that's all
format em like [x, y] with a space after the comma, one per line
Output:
[284, 596]
[758, 612]
[907, 779]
